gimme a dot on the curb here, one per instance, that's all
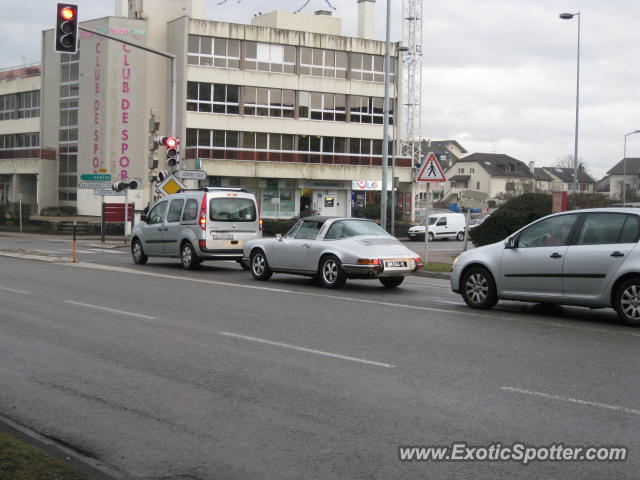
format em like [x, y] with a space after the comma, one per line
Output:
[442, 275]
[90, 467]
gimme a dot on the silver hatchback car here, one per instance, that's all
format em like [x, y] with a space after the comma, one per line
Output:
[587, 258]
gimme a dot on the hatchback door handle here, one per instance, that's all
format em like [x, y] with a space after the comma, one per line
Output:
[556, 255]
[617, 254]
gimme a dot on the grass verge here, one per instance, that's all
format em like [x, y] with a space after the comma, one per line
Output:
[436, 267]
[21, 461]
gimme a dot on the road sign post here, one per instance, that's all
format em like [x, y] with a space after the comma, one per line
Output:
[429, 172]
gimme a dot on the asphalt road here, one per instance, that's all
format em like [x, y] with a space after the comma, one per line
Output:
[162, 373]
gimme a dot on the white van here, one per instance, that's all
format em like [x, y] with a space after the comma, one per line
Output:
[210, 223]
[441, 225]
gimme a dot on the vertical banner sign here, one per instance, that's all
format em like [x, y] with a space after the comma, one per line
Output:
[98, 96]
[125, 104]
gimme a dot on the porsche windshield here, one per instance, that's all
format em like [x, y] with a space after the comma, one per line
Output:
[353, 228]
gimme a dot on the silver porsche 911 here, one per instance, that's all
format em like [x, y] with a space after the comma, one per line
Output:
[333, 249]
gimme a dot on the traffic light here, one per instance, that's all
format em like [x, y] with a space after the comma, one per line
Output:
[173, 159]
[120, 186]
[66, 28]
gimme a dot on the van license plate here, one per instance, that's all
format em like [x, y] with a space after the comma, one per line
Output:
[223, 236]
[396, 264]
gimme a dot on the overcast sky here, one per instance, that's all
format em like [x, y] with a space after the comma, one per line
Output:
[498, 75]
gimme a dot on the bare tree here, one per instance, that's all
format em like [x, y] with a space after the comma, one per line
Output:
[565, 162]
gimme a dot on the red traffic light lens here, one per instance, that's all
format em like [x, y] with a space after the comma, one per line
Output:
[68, 13]
[170, 142]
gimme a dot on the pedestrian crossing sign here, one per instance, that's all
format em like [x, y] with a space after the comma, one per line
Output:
[430, 170]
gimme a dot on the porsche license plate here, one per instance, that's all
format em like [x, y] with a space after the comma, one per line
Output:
[395, 264]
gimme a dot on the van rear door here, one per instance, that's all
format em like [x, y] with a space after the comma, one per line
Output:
[232, 221]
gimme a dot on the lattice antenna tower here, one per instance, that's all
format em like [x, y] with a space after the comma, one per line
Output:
[412, 78]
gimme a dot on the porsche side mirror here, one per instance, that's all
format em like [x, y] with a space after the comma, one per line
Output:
[278, 237]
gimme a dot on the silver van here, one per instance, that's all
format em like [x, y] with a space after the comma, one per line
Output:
[210, 223]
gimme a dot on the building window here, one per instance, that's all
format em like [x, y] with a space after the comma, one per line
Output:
[212, 138]
[29, 104]
[269, 102]
[20, 141]
[213, 98]
[214, 52]
[7, 106]
[318, 62]
[270, 57]
[370, 68]
[281, 141]
[460, 170]
[477, 185]
[369, 110]
[322, 106]
[472, 170]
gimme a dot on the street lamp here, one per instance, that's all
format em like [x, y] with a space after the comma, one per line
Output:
[569, 16]
[396, 115]
[624, 169]
[385, 130]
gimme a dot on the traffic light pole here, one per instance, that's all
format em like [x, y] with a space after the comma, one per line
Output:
[157, 52]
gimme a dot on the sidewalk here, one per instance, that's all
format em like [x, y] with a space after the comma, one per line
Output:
[89, 240]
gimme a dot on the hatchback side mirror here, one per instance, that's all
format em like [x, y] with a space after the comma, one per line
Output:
[510, 243]
[278, 237]
[144, 218]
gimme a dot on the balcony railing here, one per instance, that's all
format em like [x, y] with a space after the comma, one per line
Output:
[22, 153]
[22, 71]
[324, 158]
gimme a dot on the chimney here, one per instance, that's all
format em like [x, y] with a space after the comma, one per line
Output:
[366, 19]
[532, 167]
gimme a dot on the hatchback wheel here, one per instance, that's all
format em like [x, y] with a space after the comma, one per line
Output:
[259, 266]
[331, 274]
[391, 282]
[139, 258]
[478, 288]
[188, 257]
[627, 301]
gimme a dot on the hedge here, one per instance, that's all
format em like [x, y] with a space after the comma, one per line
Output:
[510, 217]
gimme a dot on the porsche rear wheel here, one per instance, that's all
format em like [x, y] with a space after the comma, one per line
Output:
[331, 273]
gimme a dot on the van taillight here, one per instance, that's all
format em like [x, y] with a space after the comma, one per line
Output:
[203, 213]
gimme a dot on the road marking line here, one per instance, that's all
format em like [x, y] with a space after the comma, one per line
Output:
[430, 284]
[306, 350]
[13, 290]
[538, 323]
[112, 310]
[98, 266]
[562, 398]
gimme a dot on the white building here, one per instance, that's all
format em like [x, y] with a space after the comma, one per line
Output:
[22, 161]
[285, 107]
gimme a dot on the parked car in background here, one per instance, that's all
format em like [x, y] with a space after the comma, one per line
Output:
[474, 222]
[441, 225]
[210, 223]
[586, 258]
[333, 249]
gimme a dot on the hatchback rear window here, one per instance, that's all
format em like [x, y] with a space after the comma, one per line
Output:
[232, 209]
